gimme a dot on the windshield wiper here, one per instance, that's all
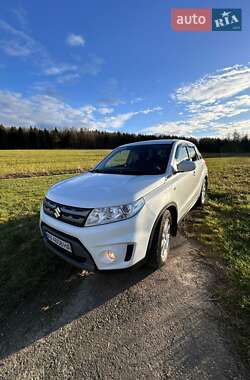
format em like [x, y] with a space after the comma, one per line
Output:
[95, 171]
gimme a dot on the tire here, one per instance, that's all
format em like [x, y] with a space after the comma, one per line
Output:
[160, 245]
[202, 197]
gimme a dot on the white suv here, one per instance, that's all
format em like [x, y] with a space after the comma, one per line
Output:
[125, 209]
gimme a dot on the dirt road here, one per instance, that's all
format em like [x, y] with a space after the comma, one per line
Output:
[125, 325]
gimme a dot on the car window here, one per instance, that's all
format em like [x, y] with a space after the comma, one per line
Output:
[198, 154]
[119, 159]
[181, 154]
[192, 153]
[137, 159]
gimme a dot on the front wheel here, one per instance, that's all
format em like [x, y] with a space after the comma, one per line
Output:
[161, 241]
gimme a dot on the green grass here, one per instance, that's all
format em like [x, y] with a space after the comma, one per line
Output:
[18, 163]
[24, 262]
[224, 228]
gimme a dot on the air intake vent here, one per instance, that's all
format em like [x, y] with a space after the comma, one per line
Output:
[130, 249]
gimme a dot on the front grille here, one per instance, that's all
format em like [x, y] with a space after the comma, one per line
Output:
[67, 214]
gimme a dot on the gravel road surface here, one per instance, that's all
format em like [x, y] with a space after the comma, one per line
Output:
[124, 325]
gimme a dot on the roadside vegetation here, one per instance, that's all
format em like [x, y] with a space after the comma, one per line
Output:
[223, 227]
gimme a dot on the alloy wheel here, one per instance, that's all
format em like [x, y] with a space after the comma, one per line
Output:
[165, 240]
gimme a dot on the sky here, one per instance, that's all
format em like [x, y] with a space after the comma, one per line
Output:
[116, 65]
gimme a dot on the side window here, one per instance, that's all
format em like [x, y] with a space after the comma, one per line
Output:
[181, 154]
[192, 153]
[198, 154]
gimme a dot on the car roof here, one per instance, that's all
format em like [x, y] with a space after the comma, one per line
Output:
[158, 141]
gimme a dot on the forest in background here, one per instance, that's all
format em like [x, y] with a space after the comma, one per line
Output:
[36, 138]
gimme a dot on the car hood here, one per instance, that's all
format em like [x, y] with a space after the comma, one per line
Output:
[91, 190]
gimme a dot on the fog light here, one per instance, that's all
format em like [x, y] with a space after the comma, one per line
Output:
[111, 256]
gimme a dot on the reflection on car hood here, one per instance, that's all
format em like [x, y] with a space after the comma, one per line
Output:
[91, 190]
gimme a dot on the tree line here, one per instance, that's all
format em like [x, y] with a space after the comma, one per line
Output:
[35, 138]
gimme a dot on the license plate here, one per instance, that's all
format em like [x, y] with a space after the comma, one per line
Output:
[61, 243]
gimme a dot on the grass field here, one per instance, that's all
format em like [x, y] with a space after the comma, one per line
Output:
[17, 163]
[223, 227]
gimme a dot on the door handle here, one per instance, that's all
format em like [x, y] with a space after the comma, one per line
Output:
[194, 172]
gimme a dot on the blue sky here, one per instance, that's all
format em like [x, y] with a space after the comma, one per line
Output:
[116, 65]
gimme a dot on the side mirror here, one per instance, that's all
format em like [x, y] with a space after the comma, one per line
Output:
[186, 166]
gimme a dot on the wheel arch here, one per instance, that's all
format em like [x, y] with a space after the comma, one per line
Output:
[172, 207]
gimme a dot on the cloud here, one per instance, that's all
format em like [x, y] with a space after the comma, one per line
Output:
[188, 128]
[110, 101]
[92, 67]
[225, 129]
[105, 110]
[69, 71]
[89, 109]
[178, 128]
[21, 16]
[138, 99]
[60, 69]
[117, 121]
[75, 40]
[14, 49]
[211, 105]
[149, 110]
[17, 43]
[50, 111]
[45, 87]
[68, 78]
[41, 110]
[202, 114]
[64, 73]
[204, 118]
[213, 87]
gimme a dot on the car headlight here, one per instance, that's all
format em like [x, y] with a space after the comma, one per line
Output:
[112, 214]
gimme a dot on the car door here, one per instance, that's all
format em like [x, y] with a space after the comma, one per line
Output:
[184, 182]
[197, 174]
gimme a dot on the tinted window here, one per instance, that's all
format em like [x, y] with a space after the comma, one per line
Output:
[118, 159]
[137, 160]
[192, 153]
[198, 154]
[181, 154]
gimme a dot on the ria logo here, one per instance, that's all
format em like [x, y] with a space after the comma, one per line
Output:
[226, 20]
[205, 19]
[57, 212]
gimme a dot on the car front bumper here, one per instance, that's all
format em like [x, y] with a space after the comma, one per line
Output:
[90, 244]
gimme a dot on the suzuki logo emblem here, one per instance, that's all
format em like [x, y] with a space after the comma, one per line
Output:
[57, 212]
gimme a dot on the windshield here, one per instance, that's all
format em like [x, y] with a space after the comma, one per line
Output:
[136, 160]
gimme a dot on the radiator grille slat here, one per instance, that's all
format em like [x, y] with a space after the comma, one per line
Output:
[67, 214]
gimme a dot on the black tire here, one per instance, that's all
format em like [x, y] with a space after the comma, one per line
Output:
[202, 198]
[156, 257]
